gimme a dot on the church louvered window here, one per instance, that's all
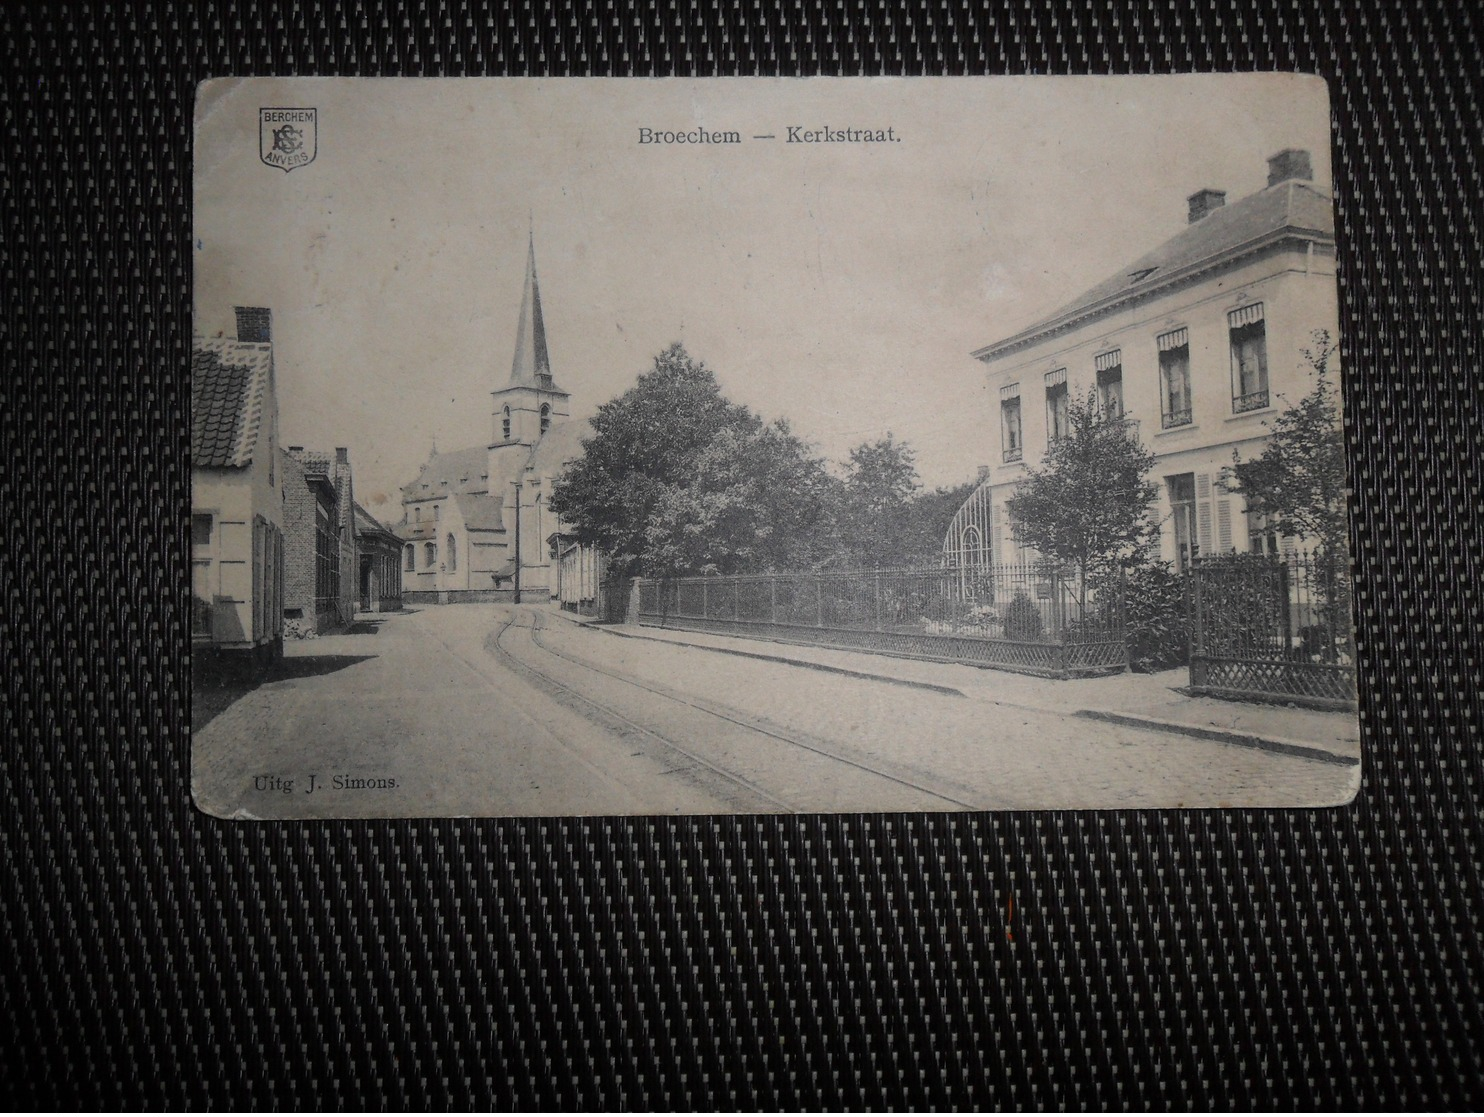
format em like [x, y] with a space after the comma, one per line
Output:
[505, 423]
[545, 417]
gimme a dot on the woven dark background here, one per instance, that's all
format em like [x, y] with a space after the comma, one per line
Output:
[155, 956]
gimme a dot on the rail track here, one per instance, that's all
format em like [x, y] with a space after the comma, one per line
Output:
[607, 713]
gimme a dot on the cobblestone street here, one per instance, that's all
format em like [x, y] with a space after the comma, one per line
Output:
[493, 710]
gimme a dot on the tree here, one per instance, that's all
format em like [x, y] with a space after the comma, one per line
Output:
[873, 519]
[1298, 481]
[1089, 505]
[676, 478]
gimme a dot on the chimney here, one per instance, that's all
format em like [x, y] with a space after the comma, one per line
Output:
[1291, 162]
[1204, 201]
[254, 323]
[342, 455]
[983, 473]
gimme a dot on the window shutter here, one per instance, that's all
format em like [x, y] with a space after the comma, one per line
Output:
[1223, 524]
[1203, 510]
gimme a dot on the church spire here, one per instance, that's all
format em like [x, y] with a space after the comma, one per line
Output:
[531, 367]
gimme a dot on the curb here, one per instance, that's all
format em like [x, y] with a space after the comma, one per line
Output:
[1225, 736]
[828, 669]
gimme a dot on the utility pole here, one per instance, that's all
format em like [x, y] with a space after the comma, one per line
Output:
[516, 598]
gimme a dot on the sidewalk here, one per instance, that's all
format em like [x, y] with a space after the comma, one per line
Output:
[1145, 701]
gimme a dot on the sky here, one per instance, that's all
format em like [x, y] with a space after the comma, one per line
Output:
[839, 285]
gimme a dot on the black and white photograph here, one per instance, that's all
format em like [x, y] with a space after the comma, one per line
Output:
[766, 446]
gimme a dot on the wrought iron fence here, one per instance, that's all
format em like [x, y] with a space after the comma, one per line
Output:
[1273, 627]
[1025, 617]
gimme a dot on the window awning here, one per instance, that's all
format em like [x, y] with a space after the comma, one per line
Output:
[1010, 391]
[1056, 376]
[1104, 361]
[1173, 340]
[1245, 316]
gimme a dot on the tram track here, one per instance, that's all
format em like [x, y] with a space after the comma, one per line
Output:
[693, 705]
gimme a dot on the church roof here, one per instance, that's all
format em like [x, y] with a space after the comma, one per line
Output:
[558, 446]
[531, 367]
[481, 511]
[458, 471]
[229, 392]
[1223, 235]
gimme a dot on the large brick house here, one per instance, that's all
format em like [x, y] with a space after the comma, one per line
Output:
[1198, 344]
[236, 491]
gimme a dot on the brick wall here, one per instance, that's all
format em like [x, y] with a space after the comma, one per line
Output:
[298, 539]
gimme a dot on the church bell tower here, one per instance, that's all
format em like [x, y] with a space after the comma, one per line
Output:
[531, 401]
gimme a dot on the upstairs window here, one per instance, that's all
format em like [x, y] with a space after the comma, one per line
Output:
[1056, 406]
[1174, 378]
[1010, 439]
[505, 423]
[545, 417]
[1110, 383]
[1249, 347]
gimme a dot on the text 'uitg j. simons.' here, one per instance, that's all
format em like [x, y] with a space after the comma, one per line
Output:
[793, 134]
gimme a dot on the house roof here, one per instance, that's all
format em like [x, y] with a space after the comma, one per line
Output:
[367, 524]
[458, 471]
[1229, 232]
[230, 383]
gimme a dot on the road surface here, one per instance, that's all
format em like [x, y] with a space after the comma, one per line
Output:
[499, 710]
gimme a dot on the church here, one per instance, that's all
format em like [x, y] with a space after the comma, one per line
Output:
[475, 522]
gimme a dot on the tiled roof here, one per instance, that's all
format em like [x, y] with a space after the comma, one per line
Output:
[368, 524]
[229, 392]
[481, 512]
[1225, 233]
[459, 471]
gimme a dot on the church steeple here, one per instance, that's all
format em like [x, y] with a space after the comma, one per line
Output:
[531, 401]
[532, 365]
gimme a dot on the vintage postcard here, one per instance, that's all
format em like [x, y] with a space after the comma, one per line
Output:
[609, 447]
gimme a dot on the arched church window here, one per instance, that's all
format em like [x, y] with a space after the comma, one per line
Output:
[505, 423]
[453, 553]
[545, 417]
[430, 554]
[411, 558]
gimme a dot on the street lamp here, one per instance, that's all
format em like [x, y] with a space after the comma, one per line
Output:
[515, 598]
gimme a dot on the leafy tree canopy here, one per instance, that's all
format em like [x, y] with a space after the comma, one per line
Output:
[1089, 504]
[678, 479]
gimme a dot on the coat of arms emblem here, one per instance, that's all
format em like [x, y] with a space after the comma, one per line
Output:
[287, 138]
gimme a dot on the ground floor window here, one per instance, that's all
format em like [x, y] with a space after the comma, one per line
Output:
[1182, 507]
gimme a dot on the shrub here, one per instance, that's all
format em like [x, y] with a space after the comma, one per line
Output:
[1022, 618]
[1156, 617]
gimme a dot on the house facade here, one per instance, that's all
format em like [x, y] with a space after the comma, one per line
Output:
[237, 550]
[379, 564]
[475, 522]
[1197, 346]
[321, 556]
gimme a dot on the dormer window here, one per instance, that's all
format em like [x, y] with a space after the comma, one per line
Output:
[505, 423]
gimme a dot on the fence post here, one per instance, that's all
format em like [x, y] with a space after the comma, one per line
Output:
[818, 601]
[773, 599]
[705, 599]
[878, 600]
[736, 593]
